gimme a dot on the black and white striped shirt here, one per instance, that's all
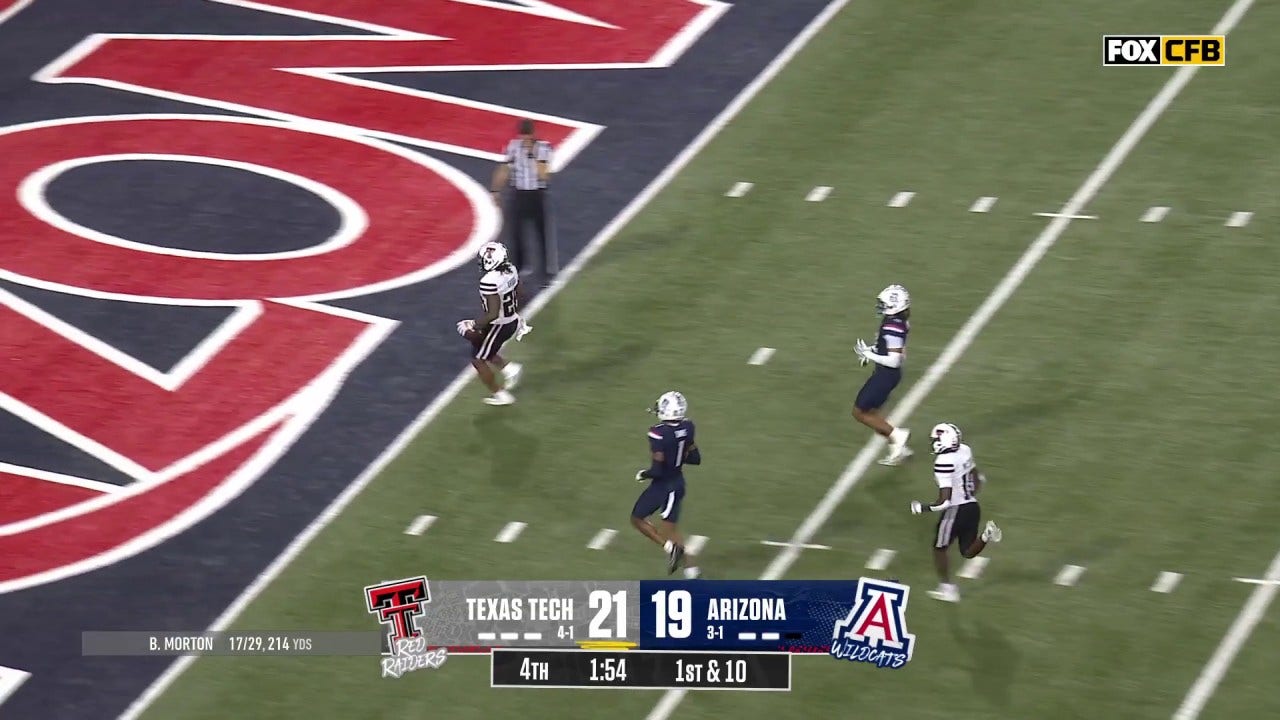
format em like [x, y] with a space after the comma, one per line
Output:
[524, 163]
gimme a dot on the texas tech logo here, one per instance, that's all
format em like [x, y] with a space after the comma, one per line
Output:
[875, 630]
[398, 604]
[1164, 50]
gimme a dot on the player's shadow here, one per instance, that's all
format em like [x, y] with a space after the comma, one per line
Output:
[994, 660]
[511, 451]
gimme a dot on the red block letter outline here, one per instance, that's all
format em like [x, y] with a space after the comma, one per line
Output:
[308, 78]
[196, 436]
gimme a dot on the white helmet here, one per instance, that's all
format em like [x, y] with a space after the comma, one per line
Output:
[893, 300]
[671, 406]
[492, 255]
[946, 438]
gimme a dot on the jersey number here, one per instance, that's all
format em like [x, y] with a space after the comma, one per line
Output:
[680, 454]
[509, 304]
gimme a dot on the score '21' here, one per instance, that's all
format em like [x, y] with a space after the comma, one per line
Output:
[603, 602]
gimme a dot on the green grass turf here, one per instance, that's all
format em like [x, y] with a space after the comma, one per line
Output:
[1120, 403]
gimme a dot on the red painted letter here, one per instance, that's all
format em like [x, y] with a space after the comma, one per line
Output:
[287, 77]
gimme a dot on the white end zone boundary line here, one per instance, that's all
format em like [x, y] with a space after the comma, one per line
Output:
[852, 474]
[1216, 669]
[299, 543]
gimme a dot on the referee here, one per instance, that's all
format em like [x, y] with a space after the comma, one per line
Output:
[526, 168]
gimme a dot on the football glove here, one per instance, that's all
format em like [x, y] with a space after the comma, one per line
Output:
[522, 330]
[917, 507]
[466, 326]
[862, 349]
[640, 475]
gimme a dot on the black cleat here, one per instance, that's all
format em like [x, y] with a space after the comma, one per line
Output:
[673, 559]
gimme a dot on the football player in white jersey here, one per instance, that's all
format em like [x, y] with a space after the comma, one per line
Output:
[959, 482]
[501, 296]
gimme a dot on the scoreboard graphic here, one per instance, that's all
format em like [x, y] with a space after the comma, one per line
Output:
[779, 616]
[692, 634]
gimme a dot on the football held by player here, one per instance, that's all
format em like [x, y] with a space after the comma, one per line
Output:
[893, 304]
[501, 297]
[959, 483]
[671, 447]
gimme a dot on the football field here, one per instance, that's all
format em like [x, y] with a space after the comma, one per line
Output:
[1093, 270]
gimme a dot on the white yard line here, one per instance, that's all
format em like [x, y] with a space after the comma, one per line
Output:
[739, 189]
[420, 524]
[1154, 214]
[818, 194]
[1166, 582]
[880, 559]
[902, 199]
[1239, 219]
[1066, 216]
[1214, 670]
[806, 546]
[760, 356]
[982, 204]
[602, 539]
[510, 532]
[853, 474]
[606, 234]
[1069, 575]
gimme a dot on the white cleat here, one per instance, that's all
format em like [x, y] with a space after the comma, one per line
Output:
[991, 533]
[898, 450]
[946, 592]
[502, 397]
[511, 374]
[897, 455]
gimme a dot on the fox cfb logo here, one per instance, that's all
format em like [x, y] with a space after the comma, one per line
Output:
[1164, 50]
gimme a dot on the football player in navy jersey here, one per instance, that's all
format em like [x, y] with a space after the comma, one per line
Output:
[890, 349]
[671, 447]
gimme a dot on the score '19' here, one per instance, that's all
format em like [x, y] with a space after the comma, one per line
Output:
[673, 614]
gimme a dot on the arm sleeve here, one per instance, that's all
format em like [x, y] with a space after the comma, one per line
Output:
[509, 153]
[544, 152]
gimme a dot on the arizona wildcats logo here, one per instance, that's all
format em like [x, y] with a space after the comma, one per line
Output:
[876, 629]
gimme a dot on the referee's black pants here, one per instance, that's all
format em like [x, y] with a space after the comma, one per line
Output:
[529, 207]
